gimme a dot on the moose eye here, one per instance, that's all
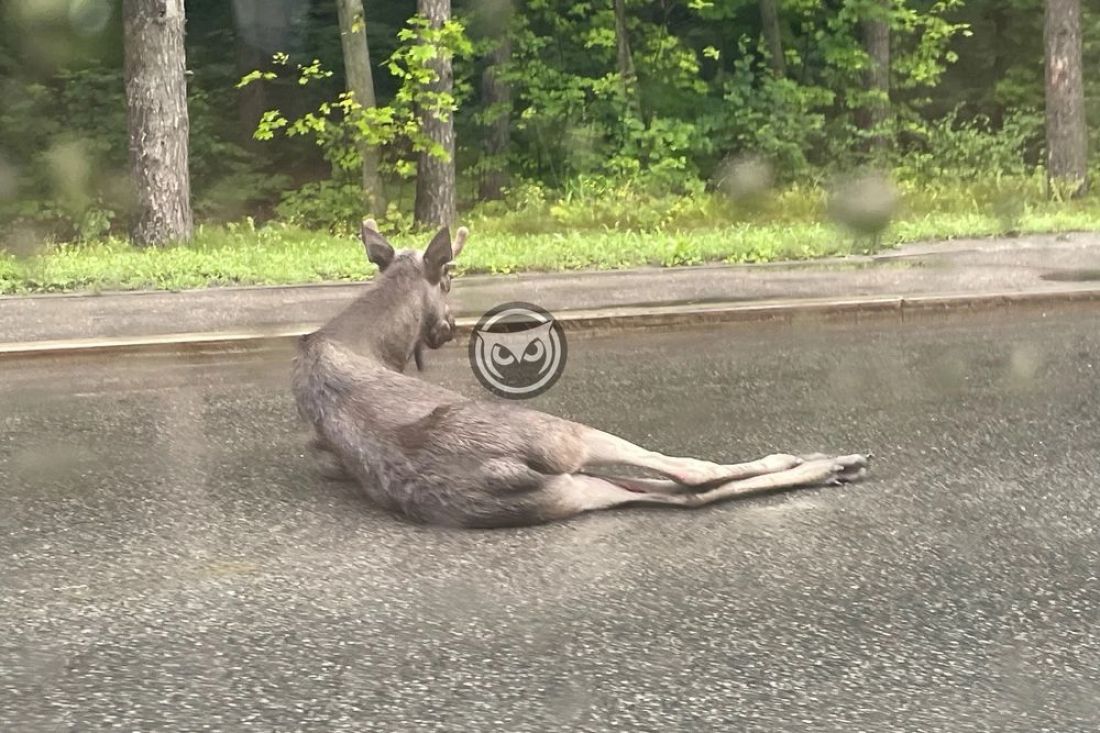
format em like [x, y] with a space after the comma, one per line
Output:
[445, 280]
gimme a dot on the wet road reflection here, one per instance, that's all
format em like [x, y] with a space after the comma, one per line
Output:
[171, 560]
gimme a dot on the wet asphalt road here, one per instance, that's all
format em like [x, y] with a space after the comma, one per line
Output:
[172, 563]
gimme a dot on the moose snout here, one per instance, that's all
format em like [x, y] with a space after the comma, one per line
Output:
[443, 332]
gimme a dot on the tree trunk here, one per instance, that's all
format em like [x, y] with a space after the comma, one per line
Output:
[876, 42]
[435, 177]
[999, 23]
[360, 82]
[1067, 136]
[769, 21]
[625, 61]
[156, 101]
[496, 93]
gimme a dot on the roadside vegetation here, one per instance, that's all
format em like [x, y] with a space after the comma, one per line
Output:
[618, 134]
[607, 233]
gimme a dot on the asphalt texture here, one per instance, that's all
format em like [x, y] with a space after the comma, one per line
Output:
[172, 562]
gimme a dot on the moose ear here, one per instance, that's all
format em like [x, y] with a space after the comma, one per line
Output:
[459, 242]
[379, 251]
[438, 254]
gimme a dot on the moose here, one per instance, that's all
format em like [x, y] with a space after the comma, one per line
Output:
[440, 457]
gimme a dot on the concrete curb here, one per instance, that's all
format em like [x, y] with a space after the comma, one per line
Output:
[620, 318]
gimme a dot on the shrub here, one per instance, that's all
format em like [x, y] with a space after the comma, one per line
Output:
[972, 149]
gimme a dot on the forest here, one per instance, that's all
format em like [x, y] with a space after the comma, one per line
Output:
[659, 124]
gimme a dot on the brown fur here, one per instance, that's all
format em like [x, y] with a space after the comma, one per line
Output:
[439, 457]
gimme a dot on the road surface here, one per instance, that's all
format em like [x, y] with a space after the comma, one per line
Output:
[171, 562]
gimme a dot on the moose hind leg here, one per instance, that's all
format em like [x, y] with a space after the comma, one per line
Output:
[572, 494]
[602, 449]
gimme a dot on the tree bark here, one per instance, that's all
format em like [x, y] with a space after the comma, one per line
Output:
[156, 101]
[625, 59]
[769, 21]
[876, 42]
[360, 82]
[1002, 49]
[1067, 135]
[496, 93]
[435, 177]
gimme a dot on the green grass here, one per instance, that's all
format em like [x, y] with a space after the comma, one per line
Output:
[608, 233]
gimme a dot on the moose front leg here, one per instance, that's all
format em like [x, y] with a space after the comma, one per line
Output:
[328, 462]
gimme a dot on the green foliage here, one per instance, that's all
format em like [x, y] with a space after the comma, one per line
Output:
[704, 91]
[227, 181]
[952, 148]
[331, 205]
[539, 232]
[67, 139]
[590, 151]
[69, 142]
[777, 119]
[335, 206]
[925, 33]
[339, 127]
[575, 115]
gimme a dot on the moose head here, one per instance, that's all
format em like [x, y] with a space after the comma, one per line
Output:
[425, 281]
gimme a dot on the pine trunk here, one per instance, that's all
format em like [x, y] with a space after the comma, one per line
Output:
[360, 82]
[497, 95]
[156, 100]
[1067, 135]
[435, 177]
[769, 21]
